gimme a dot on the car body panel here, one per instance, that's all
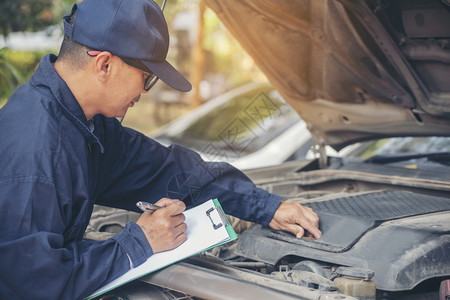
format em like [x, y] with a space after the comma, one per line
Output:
[226, 282]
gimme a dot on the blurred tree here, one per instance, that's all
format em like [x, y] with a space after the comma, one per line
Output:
[25, 15]
[199, 57]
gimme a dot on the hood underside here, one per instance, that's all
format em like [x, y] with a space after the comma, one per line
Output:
[354, 70]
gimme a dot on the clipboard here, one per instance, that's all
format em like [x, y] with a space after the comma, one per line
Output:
[207, 227]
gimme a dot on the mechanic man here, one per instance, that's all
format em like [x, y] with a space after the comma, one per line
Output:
[62, 150]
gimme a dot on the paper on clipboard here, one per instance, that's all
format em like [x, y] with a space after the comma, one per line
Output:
[207, 227]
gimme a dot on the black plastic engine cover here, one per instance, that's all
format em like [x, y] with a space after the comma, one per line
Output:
[404, 237]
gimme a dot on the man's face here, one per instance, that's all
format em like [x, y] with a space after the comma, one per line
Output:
[124, 88]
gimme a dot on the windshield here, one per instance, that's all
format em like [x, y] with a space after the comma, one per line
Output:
[238, 126]
[428, 152]
[403, 145]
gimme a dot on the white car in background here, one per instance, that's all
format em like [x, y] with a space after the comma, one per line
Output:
[250, 126]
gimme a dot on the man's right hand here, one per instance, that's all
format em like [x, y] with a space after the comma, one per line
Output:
[165, 228]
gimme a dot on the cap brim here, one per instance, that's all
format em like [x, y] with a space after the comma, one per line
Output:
[167, 73]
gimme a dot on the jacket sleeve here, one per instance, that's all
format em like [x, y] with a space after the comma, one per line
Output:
[139, 168]
[40, 258]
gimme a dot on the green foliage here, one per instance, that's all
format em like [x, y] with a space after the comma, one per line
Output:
[10, 77]
[25, 61]
[16, 67]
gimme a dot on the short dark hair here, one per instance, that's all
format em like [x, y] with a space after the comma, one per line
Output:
[72, 53]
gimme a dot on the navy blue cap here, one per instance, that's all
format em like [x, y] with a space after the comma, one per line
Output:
[129, 28]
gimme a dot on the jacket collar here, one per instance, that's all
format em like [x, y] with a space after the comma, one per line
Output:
[47, 75]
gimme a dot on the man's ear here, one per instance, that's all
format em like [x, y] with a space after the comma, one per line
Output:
[103, 65]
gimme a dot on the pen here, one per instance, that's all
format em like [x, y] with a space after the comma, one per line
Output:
[146, 206]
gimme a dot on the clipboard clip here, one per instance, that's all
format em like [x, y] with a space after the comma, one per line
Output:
[223, 218]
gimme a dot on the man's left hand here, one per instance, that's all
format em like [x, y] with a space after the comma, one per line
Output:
[297, 219]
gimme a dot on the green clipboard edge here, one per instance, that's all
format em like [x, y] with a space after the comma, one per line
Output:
[231, 233]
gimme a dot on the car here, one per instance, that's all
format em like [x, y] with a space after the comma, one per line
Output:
[370, 73]
[250, 126]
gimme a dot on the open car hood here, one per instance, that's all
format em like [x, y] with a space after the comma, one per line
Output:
[354, 70]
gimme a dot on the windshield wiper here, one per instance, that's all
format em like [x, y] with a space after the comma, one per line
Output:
[438, 157]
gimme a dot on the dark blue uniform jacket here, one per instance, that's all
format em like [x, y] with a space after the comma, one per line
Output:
[55, 165]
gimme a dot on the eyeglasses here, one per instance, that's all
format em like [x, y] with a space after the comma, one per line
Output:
[151, 79]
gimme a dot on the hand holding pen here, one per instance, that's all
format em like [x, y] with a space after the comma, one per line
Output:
[146, 206]
[163, 223]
